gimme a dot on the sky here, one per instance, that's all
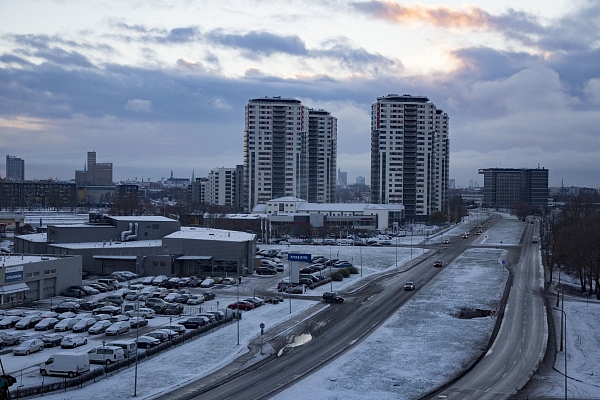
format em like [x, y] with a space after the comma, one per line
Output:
[158, 86]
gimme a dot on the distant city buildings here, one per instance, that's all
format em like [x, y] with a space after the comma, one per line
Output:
[15, 168]
[289, 150]
[409, 155]
[94, 174]
[360, 180]
[342, 178]
[504, 188]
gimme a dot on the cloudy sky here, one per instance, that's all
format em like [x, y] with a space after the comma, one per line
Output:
[158, 86]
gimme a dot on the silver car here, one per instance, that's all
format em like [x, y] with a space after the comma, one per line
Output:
[28, 346]
[117, 328]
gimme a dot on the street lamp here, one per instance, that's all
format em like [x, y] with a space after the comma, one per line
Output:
[238, 310]
[565, 352]
[137, 336]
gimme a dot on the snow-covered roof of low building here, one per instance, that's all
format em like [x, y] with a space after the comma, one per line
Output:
[259, 209]
[287, 198]
[328, 207]
[211, 234]
[34, 237]
[140, 218]
[109, 245]
[244, 216]
[11, 260]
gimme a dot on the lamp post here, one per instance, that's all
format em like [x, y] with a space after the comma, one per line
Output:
[564, 315]
[238, 310]
[330, 276]
[360, 249]
[137, 336]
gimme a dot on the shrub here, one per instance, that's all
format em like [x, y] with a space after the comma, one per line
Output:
[353, 270]
[345, 272]
[337, 276]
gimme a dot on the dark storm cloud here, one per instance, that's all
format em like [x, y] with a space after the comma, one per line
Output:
[254, 44]
[10, 58]
[61, 56]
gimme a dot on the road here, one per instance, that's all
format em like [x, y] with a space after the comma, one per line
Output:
[521, 340]
[325, 335]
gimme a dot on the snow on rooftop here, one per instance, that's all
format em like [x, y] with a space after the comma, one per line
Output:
[211, 234]
[141, 218]
[109, 244]
[34, 237]
[10, 260]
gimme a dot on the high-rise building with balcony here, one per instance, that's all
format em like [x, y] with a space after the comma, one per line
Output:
[322, 156]
[409, 155]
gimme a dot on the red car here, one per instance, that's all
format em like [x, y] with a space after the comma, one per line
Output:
[241, 305]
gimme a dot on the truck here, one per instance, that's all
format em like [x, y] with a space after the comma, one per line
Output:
[66, 364]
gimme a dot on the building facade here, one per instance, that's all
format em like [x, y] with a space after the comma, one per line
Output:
[221, 188]
[94, 174]
[409, 155]
[322, 156]
[275, 150]
[504, 188]
[31, 194]
[15, 168]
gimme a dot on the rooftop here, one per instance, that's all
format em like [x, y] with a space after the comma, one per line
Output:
[211, 234]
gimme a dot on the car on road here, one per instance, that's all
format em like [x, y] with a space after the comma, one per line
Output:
[446, 241]
[266, 271]
[46, 324]
[99, 327]
[28, 346]
[136, 322]
[72, 341]
[332, 297]
[465, 235]
[28, 322]
[52, 339]
[147, 342]
[241, 305]
[438, 263]
[117, 328]
[409, 285]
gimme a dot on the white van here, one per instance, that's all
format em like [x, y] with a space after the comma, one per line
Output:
[129, 346]
[69, 364]
[106, 354]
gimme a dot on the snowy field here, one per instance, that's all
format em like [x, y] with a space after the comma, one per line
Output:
[406, 357]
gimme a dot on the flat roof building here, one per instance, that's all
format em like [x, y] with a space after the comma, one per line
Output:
[504, 188]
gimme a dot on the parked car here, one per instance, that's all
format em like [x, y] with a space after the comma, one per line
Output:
[28, 346]
[118, 318]
[99, 327]
[46, 324]
[10, 338]
[106, 355]
[162, 336]
[210, 316]
[169, 298]
[410, 285]
[208, 295]
[136, 322]
[158, 280]
[173, 309]
[147, 280]
[117, 328]
[65, 325]
[28, 322]
[66, 315]
[52, 339]
[255, 301]
[266, 271]
[194, 322]
[48, 314]
[132, 295]
[92, 305]
[90, 290]
[78, 293]
[171, 334]
[194, 282]
[177, 328]
[113, 298]
[9, 321]
[195, 299]
[182, 298]
[219, 315]
[83, 325]
[208, 282]
[66, 306]
[72, 341]
[143, 312]
[111, 310]
[147, 342]
[98, 287]
[241, 305]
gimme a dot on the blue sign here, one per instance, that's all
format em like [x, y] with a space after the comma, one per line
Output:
[299, 257]
[13, 274]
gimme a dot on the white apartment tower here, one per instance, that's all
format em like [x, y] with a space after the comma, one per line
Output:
[409, 155]
[275, 150]
[221, 188]
[322, 155]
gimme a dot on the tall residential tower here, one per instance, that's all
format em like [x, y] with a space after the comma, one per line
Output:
[289, 151]
[409, 155]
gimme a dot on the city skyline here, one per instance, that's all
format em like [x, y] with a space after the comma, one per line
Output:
[155, 87]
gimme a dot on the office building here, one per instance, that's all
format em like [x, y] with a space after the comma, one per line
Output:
[221, 189]
[322, 156]
[198, 190]
[504, 188]
[94, 173]
[15, 168]
[409, 155]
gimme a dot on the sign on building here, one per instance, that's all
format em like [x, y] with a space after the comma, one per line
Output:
[13, 274]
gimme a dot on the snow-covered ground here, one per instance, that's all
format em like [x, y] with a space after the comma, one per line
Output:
[419, 348]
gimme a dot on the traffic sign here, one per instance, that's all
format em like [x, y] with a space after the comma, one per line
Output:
[299, 257]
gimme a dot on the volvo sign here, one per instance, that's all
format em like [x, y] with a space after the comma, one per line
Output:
[299, 257]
